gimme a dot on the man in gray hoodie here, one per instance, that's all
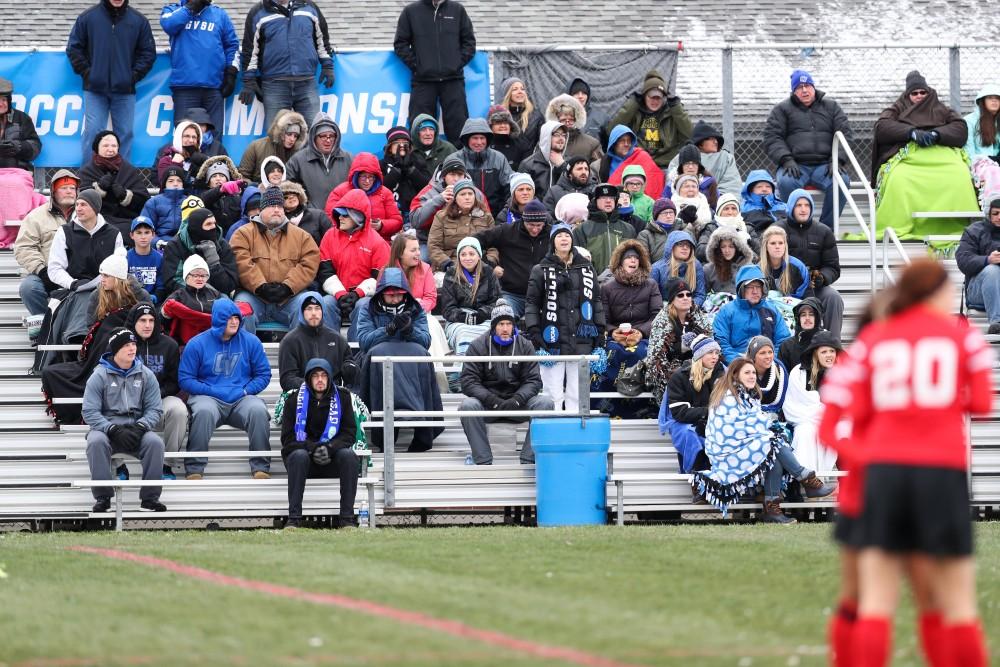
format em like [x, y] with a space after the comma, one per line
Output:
[489, 170]
[322, 164]
[122, 406]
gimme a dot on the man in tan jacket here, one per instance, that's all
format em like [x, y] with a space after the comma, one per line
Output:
[34, 239]
[277, 262]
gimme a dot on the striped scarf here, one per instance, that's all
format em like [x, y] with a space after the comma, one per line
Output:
[302, 409]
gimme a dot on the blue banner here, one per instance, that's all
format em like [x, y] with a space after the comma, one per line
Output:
[370, 96]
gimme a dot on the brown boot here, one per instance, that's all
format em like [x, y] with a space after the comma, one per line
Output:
[815, 488]
[774, 514]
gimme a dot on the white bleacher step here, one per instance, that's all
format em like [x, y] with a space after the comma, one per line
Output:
[947, 214]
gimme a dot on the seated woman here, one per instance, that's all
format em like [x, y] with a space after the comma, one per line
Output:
[918, 165]
[727, 214]
[692, 206]
[117, 290]
[221, 188]
[808, 316]
[654, 234]
[679, 262]
[744, 451]
[983, 144]
[666, 350]
[392, 323]
[468, 295]
[522, 191]
[464, 216]
[772, 376]
[727, 251]
[684, 408]
[803, 408]
[782, 272]
[121, 186]
[688, 162]
[188, 310]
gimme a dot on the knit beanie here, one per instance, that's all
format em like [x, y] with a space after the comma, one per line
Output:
[501, 311]
[272, 166]
[518, 179]
[464, 184]
[190, 204]
[310, 300]
[572, 207]
[688, 153]
[101, 135]
[272, 196]
[561, 228]
[396, 134]
[534, 211]
[915, 81]
[574, 160]
[579, 86]
[631, 252]
[115, 264]
[453, 164]
[654, 81]
[507, 83]
[673, 287]
[756, 344]
[172, 170]
[801, 77]
[680, 181]
[699, 344]
[498, 113]
[193, 262]
[661, 205]
[118, 339]
[92, 198]
[469, 242]
[219, 167]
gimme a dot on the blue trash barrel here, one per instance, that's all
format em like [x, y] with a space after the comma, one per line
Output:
[571, 469]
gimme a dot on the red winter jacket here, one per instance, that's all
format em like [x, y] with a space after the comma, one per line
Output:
[351, 261]
[383, 204]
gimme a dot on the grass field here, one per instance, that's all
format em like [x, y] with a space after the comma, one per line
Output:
[736, 595]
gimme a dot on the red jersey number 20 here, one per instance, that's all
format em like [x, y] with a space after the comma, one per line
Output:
[923, 374]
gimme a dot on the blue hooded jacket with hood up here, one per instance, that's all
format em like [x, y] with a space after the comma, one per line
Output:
[617, 132]
[661, 269]
[759, 210]
[739, 321]
[372, 320]
[226, 370]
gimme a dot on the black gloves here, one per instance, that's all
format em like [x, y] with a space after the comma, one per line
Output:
[228, 82]
[817, 278]
[118, 192]
[321, 455]
[105, 182]
[208, 252]
[673, 101]
[925, 138]
[273, 292]
[346, 304]
[447, 266]
[493, 402]
[125, 437]
[112, 431]
[400, 324]
[349, 371]
[471, 317]
[195, 6]
[251, 89]
[9, 148]
[326, 76]
[513, 403]
[77, 284]
[791, 167]
[688, 214]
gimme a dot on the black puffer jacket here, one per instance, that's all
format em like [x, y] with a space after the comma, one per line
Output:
[159, 353]
[457, 301]
[792, 348]
[569, 290]
[519, 252]
[18, 128]
[814, 245]
[435, 42]
[563, 187]
[306, 342]
[501, 379]
[804, 133]
[688, 405]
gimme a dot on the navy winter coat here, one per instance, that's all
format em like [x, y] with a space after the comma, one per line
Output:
[112, 49]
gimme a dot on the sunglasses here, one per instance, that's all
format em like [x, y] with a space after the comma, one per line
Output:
[683, 295]
[918, 93]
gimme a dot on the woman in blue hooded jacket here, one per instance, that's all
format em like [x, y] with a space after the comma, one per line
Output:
[679, 262]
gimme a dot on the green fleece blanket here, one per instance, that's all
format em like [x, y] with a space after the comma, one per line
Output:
[924, 179]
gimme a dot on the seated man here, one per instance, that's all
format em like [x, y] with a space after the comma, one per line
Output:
[160, 354]
[277, 262]
[311, 339]
[318, 432]
[521, 245]
[748, 316]
[486, 167]
[499, 385]
[199, 235]
[815, 246]
[978, 257]
[658, 119]
[34, 239]
[222, 370]
[121, 405]
[392, 323]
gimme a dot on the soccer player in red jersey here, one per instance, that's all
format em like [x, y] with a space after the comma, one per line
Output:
[907, 385]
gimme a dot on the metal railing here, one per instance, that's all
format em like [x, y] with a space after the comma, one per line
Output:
[389, 413]
[890, 240]
[840, 143]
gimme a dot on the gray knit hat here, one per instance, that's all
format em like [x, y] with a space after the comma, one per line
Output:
[699, 344]
[501, 311]
[92, 198]
[756, 344]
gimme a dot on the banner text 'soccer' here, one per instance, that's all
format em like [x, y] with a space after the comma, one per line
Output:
[371, 95]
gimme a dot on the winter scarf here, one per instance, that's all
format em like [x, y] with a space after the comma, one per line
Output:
[587, 328]
[302, 408]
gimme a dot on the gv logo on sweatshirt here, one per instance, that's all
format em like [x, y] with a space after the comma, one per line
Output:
[225, 363]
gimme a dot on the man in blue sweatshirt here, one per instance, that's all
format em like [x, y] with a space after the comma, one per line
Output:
[222, 370]
[748, 316]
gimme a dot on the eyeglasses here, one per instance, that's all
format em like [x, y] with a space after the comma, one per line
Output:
[202, 276]
[918, 93]
[328, 136]
[683, 295]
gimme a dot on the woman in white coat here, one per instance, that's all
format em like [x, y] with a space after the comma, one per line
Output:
[802, 407]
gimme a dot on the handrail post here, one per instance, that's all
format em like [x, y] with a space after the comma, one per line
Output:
[835, 170]
[583, 378]
[955, 77]
[728, 123]
[388, 435]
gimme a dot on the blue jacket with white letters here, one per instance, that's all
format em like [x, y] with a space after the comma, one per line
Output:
[202, 45]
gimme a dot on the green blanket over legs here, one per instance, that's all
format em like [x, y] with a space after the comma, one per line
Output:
[924, 179]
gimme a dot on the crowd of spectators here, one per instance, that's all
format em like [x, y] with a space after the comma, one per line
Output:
[545, 228]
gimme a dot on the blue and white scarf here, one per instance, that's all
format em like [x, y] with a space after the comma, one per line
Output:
[301, 412]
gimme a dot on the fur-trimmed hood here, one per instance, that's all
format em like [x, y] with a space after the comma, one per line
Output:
[739, 239]
[283, 119]
[618, 254]
[296, 189]
[234, 172]
[551, 110]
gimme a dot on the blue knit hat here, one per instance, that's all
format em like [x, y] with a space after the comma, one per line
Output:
[561, 227]
[462, 185]
[800, 77]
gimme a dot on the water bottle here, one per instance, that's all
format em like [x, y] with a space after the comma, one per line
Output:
[363, 515]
